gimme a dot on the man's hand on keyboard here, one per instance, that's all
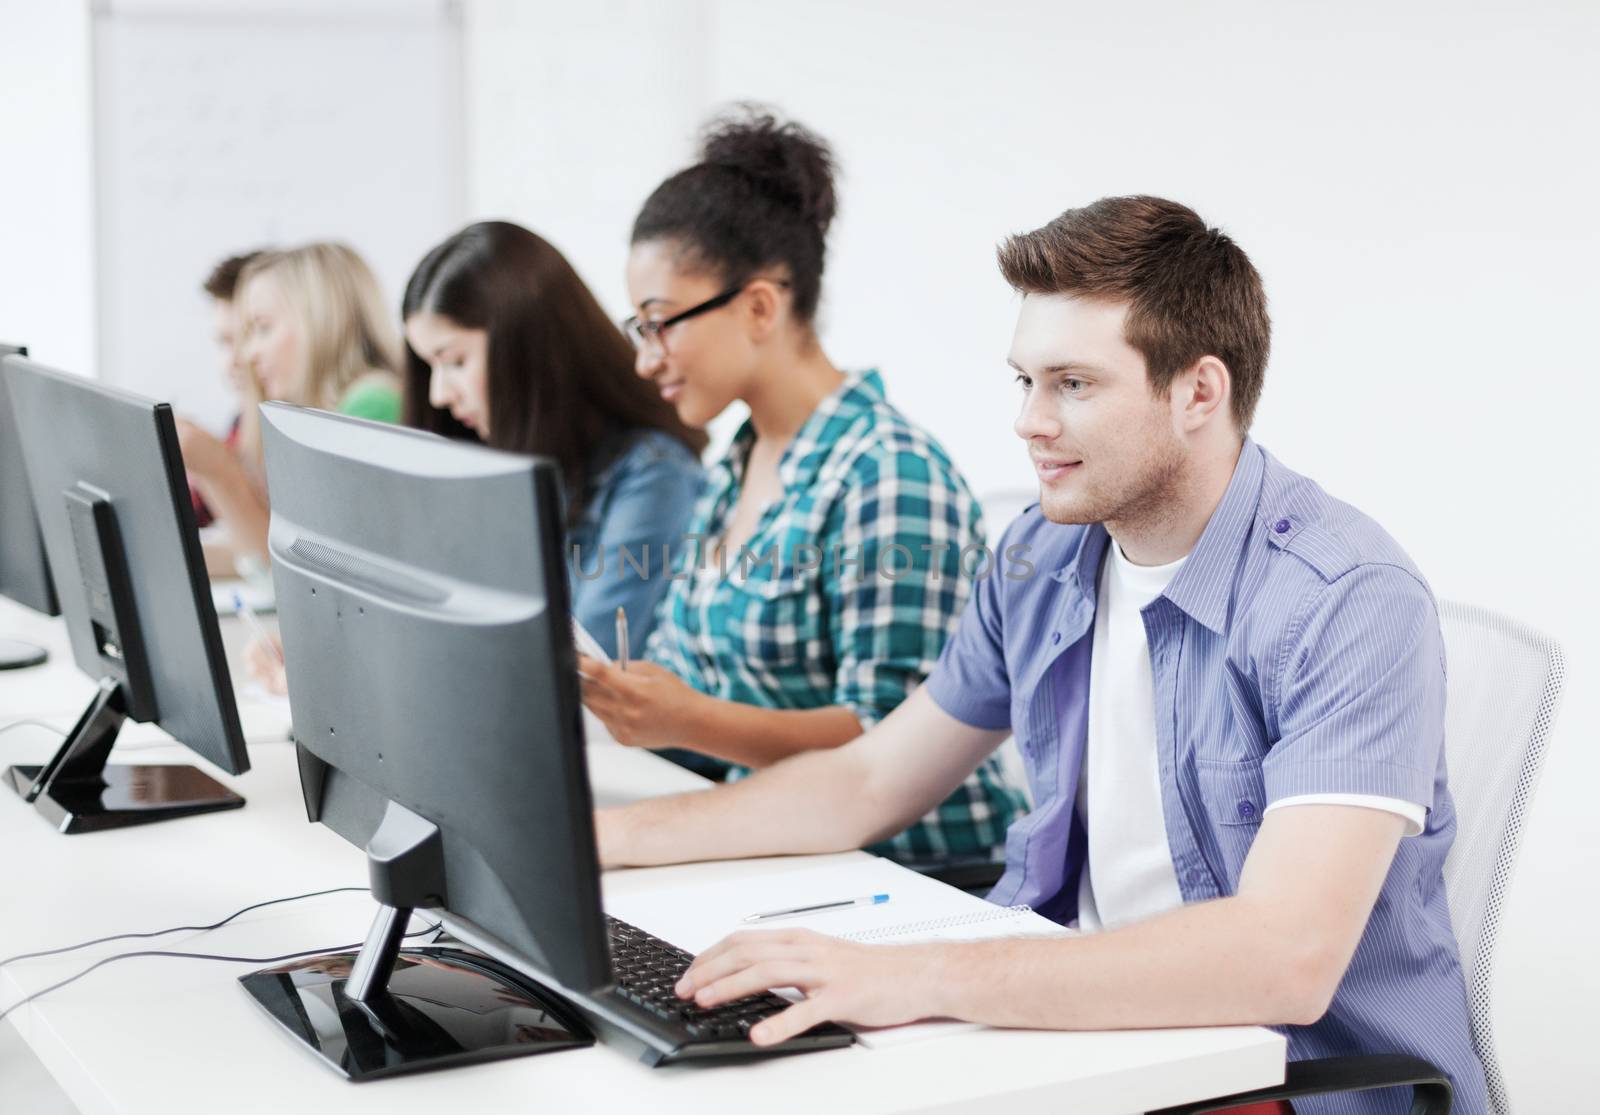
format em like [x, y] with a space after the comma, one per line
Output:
[843, 981]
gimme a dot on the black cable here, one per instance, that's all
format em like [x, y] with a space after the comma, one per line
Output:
[174, 929]
[196, 956]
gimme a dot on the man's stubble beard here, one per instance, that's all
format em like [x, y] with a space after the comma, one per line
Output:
[1141, 502]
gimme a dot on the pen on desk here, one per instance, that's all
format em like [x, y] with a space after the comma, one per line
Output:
[254, 625]
[820, 907]
[622, 638]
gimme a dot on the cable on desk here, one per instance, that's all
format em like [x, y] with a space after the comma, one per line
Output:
[198, 956]
[175, 928]
[29, 722]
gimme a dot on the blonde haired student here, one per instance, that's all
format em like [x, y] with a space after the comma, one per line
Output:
[314, 331]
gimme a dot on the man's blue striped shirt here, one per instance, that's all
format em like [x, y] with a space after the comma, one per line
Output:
[1296, 652]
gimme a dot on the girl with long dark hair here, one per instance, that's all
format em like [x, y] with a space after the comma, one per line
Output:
[505, 344]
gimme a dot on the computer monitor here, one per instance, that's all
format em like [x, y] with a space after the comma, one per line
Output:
[24, 573]
[423, 605]
[108, 483]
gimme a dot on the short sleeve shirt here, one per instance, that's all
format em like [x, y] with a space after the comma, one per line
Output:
[1297, 652]
[845, 594]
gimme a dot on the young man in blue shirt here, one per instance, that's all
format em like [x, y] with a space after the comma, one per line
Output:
[1228, 690]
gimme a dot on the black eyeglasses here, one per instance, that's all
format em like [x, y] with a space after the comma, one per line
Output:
[645, 333]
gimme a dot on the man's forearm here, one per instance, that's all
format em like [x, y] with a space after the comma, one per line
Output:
[791, 809]
[1233, 961]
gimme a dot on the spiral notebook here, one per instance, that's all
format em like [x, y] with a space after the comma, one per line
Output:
[918, 909]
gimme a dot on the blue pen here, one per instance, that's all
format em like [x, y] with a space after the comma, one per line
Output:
[254, 625]
[821, 907]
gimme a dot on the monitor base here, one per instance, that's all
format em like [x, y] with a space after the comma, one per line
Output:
[438, 1010]
[18, 655]
[125, 795]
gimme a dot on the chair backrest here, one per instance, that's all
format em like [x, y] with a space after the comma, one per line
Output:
[1504, 686]
[1002, 505]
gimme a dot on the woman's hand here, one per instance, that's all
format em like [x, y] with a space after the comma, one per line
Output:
[642, 706]
[263, 659]
[204, 455]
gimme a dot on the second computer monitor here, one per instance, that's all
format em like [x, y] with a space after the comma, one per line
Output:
[422, 600]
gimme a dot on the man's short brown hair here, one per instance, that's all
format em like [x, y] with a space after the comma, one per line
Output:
[1191, 291]
[224, 278]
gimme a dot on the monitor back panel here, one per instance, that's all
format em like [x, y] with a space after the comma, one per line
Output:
[77, 434]
[423, 604]
[24, 574]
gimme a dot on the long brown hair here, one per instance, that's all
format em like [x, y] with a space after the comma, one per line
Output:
[560, 377]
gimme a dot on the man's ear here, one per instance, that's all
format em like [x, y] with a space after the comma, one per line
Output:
[1209, 394]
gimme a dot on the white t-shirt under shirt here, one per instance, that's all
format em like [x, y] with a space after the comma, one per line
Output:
[1128, 874]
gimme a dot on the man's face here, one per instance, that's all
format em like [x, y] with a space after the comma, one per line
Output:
[225, 329]
[1104, 447]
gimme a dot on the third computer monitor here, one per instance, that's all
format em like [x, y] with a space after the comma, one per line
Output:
[24, 573]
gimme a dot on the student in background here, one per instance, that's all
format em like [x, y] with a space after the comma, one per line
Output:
[220, 286]
[506, 345]
[313, 331]
[754, 661]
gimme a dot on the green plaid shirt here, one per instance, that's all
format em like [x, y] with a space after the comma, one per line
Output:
[844, 595]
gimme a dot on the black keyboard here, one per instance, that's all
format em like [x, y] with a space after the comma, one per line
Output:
[647, 968]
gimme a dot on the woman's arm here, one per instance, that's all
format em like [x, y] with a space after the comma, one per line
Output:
[645, 508]
[649, 706]
[227, 489]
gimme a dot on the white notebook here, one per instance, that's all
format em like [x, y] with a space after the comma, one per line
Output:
[918, 909]
[594, 729]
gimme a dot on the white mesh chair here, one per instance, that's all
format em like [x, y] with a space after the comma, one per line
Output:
[1504, 686]
[1001, 506]
[1504, 689]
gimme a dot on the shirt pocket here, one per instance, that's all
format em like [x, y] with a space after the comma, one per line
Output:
[1235, 793]
[775, 619]
[1235, 797]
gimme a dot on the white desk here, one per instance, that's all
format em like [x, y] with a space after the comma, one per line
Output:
[57, 692]
[168, 1036]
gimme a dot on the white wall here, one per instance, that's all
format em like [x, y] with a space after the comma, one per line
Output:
[1412, 180]
[556, 140]
[47, 293]
[226, 125]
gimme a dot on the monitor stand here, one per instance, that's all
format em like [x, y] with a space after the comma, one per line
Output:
[385, 1010]
[18, 655]
[77, 791]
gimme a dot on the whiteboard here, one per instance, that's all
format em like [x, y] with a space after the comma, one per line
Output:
[223, 128]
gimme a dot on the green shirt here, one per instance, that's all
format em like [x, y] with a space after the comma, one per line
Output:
[851, 584]
[375, 399]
